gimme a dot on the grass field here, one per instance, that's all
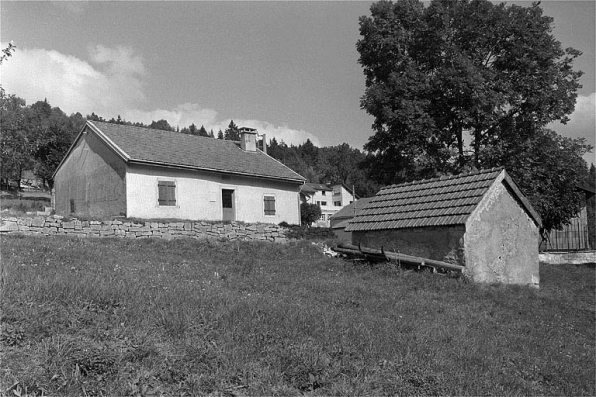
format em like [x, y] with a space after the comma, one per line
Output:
[111, 317]
[21, 202]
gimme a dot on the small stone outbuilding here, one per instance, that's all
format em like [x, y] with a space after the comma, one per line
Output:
[480, 220]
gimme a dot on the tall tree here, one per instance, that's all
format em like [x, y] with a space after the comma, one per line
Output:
[52, 133]
[203, 131]
[232, 133]
[15, 143]
[449, 82]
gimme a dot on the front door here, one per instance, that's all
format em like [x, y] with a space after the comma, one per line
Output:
[227, 203]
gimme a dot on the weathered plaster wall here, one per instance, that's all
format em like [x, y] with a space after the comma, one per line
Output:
[93, 177]
[441, 243]
[501, 243]
[198, 196]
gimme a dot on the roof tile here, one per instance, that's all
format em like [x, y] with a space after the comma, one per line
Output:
[434, 202]
[191, 151]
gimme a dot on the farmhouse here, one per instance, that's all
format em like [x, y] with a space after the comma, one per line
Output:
[479, 220]
[115, 169]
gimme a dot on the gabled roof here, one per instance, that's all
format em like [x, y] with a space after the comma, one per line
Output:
[351, 210]
[139, 145]
[310, 188]
[434, 202]
[319, 186]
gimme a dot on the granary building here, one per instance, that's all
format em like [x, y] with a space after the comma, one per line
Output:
[479, 220]
[115, 169]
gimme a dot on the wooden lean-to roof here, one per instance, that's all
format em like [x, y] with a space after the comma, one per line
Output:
[139, 145]
[435, 202]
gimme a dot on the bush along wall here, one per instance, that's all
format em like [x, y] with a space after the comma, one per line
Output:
[57, 225]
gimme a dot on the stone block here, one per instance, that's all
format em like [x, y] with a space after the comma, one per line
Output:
[9, 226]
[68, 225]
[38, 222]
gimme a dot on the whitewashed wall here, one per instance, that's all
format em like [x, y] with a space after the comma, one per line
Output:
[198, 196]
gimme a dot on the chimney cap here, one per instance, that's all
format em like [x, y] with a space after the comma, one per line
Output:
[248, 129]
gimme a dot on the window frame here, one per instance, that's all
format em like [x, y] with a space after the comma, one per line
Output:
[171, 199]
[268, 198]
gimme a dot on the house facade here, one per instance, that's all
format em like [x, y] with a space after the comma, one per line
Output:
[114, 169]
[330, 198]
[479, 220]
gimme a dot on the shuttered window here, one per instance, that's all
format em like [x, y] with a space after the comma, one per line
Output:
[269, 205]
[167, 192]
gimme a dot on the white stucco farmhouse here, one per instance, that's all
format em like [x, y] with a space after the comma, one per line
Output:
[116, 169]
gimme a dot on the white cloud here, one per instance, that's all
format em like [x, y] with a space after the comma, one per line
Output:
[281, 133]
[77, 85]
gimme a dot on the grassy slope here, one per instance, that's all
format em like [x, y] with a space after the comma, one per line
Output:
[146, 317]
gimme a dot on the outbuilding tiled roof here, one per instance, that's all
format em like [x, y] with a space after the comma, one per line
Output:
[434, 202]
[166, 148]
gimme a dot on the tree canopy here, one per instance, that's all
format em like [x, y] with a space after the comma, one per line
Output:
[460, 85]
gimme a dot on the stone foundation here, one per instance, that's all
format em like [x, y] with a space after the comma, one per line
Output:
[56, 225]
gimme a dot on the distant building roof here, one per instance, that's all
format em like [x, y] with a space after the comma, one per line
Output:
[171, 149]
[434, 202]
[318, 186]
[351, 210]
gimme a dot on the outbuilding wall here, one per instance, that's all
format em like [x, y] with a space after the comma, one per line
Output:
[443, 243]
[501, 242]
[91, 181]
[198, 196]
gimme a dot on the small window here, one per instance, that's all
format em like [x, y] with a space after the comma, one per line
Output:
[319, 203]
[269, 205]
[167, 192]
[323, 203]
[322, 218]
[337, 203]
[324, 193]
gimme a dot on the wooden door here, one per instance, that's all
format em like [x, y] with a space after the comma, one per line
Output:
[227, 203]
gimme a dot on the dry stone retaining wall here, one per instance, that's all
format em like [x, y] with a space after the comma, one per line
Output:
[56, 225]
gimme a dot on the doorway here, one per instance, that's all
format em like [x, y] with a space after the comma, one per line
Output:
[227, 203]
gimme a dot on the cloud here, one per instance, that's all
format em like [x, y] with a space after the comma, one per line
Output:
[95, 86]
[75, 85]
[281, 133]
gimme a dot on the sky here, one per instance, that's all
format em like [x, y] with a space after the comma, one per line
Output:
[289, 69]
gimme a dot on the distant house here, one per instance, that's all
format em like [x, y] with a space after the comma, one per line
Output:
[114, 169]
[331, 197]
[340, 219]
[479, 220]
[574, 236]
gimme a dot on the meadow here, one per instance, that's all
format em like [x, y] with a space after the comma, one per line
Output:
[120, 317]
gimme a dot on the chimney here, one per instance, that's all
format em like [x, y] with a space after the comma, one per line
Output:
[248, 139]
[265, 143]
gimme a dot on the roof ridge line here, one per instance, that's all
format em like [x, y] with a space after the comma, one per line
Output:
[446, 177]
